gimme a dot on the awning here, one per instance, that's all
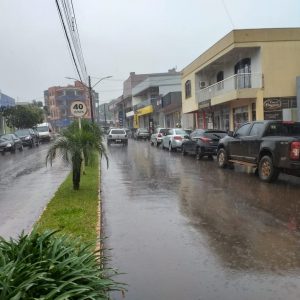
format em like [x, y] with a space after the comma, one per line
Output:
[144, 111]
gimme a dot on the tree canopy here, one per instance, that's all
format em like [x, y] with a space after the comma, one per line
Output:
[23, 116]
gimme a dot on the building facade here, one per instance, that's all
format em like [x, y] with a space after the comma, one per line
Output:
[5, 101]
[247, 75]
[58, 101]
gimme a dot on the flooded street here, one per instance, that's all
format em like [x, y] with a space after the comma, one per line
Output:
[26, 186]
[182, 229]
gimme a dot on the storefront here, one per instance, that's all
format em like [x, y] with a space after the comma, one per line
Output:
[143, 117]
[273, 107]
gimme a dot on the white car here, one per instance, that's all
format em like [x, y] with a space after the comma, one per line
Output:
[117, 136]
[174, 139]
[157, 136]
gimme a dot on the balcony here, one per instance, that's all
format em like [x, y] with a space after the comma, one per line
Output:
[142, 104]
[231, 84]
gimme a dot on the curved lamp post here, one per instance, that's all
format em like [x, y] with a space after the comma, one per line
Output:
[89, 87]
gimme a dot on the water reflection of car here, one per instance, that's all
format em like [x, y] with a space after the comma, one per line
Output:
[174, 139]
[203, 142]
[157, 136]
[142, 134]
[28, 137]
[10, 143]
[117, 136]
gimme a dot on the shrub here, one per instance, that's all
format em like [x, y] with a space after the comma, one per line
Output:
[45, 266]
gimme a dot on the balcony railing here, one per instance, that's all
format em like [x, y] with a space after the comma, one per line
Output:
[235, 82]
[142, 104]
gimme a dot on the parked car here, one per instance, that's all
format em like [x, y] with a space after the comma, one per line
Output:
[117, 136]
[28, 137]
[142, 134]
[270, 147]
[10, 143]
[174, 138]
[156, 137]
[45, 132]
[203, 142]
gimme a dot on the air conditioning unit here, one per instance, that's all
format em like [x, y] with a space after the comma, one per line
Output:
[203, 84]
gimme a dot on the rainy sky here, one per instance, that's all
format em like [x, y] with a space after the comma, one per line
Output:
[120, 36]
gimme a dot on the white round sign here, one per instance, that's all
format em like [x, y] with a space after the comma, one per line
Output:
[78, 108]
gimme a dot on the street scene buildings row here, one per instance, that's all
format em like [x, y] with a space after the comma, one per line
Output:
[250, 74]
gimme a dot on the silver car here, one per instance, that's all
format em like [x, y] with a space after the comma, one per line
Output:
[174, 138]
[117, 136]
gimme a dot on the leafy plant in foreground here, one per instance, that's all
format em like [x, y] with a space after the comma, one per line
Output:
[44, 266]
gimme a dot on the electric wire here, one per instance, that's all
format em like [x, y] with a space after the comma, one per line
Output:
[67, 37]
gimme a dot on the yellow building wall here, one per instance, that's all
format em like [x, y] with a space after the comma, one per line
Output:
[280, 66]
[189, 104]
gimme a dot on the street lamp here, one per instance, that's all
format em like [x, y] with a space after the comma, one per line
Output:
[89, 87]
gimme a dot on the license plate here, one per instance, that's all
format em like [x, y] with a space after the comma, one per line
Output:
[118, 140]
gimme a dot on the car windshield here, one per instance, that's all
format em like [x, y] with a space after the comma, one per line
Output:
[180, 131]
[117, 131]
[4, 138]
[43, 129]
[22, 132]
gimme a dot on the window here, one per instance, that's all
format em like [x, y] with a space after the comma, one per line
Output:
[244, 130]
[188, 92]
[220, 78]
[257, 129]
[283, 129]
[242, 70]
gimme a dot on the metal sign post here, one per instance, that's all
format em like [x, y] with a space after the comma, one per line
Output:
[78, 109]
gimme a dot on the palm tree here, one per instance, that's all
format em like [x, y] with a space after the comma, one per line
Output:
[74, 144]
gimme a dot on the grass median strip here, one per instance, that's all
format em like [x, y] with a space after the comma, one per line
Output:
[74, 212]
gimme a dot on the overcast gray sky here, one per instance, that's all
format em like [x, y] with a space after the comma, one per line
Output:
[120, 36]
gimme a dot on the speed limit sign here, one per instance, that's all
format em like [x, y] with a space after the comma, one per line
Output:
[78, 108]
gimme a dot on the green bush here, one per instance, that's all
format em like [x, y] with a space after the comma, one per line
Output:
[45, 266]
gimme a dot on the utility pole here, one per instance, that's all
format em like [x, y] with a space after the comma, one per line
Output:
[105, 114]
[91, 100]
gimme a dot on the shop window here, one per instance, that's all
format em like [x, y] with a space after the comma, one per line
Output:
[253, 111]
[240, 116]
[188, 91]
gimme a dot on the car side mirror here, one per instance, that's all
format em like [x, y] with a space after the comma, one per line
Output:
[230, 133]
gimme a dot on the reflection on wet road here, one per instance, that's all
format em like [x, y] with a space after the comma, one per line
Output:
[183, 229]
[26, 186]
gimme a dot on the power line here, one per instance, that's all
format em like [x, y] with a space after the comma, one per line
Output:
[67, 37]
[227, 12]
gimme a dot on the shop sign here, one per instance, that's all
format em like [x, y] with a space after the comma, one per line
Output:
[204, 104]
[145, 110]
[272, 104]
[135, 121]
[130, 114]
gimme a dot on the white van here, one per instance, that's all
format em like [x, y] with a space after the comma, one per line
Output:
[45, 132]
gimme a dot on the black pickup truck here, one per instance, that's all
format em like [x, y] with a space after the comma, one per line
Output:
[270, 147]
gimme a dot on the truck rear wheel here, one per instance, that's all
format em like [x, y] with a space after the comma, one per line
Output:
[222, 158]
[266, 170]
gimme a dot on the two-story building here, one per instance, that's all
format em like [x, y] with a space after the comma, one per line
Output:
[249, 74]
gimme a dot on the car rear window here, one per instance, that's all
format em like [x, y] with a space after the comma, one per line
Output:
[180, 131]
[215, 134]
[284, 129]
[117, 131]
[164, 130]
[143, 130]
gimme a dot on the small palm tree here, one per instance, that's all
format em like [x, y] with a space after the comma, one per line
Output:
[74, 144]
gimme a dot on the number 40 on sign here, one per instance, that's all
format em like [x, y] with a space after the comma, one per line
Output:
[78, 109]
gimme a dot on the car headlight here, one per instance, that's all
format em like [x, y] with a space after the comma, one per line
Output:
[27, 138]
[8, 145]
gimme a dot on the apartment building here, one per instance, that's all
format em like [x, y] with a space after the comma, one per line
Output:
[249, 74]
[58, 100]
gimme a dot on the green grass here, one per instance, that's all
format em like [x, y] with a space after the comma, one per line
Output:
[74, 212]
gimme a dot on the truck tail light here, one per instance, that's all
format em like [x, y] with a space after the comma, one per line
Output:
[205, 139]
[177, 138]
[295, 151]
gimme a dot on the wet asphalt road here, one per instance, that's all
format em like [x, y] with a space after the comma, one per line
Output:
[182, 229]
[26, 186]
